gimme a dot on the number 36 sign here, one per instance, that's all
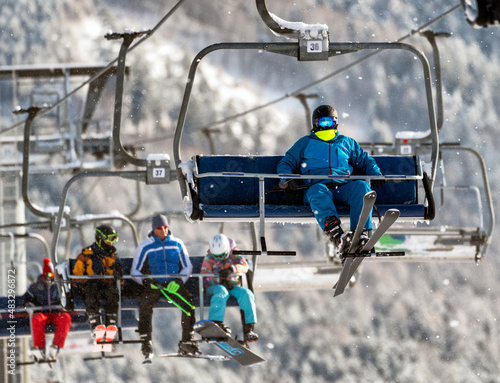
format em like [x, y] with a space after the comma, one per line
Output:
[314, 46]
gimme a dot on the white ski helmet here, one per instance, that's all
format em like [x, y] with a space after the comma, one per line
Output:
[219, 246]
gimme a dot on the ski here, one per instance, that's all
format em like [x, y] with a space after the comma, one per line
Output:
[99, 335]
[103, 357]
[355, 259]
[368, 202]
[37, 361]
[390, 217]
[111, 331]
[212, 333]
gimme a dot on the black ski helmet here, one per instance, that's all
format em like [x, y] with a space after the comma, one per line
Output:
[323, 111]
[105, 232]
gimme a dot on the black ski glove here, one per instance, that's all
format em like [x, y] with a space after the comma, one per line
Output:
[224, 274]
[224, 278]
[117, 271]
[377, 183]
[147, 282]
[288, 186]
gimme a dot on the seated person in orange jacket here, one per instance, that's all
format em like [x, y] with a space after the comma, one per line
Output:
[100, 259]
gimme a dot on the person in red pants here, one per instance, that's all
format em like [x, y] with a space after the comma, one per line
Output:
[44, 293]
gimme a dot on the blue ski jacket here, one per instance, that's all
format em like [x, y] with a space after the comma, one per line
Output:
[339, 156]
[154, 256]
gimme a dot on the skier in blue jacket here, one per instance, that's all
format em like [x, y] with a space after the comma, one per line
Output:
[326, 152]
[161, 253]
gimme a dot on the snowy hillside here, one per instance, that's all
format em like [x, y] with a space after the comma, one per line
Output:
[402, 322]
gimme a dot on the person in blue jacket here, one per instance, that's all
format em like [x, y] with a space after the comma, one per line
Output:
[326, 152]
[160, 254]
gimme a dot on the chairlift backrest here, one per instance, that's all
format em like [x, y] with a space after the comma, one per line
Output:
[226, 189]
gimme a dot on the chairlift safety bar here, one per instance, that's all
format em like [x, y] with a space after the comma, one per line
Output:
[263, 176]
[195, 275]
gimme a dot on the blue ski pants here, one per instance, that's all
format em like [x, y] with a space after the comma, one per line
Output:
[322, 201]
[221, 294]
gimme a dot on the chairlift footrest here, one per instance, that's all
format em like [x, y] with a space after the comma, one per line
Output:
[272, 253]
[375, 254]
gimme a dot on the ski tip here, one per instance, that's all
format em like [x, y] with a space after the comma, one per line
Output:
[202, 323]
[336, 294]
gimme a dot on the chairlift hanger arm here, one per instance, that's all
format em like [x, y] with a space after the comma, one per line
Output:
[36, 236]
[32, 113]
[135, 175]
[121, 153]
[431, 37]
[270, 22]
[486, 186]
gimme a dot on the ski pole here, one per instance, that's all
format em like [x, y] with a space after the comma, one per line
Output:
[174, 291]
[172, 288]
[277, 189]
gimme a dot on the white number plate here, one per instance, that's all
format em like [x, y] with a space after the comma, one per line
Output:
[314, 46]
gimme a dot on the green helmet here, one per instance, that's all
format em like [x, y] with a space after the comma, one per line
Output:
[105, 233]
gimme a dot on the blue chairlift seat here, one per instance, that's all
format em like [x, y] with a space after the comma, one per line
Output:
[20, 322]
[131, 291]
[228, 196]
[130, 298]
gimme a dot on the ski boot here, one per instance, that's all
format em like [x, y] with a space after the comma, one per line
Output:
[248, 333]
[94, 321]
[42, 352]
[365, 236]
[188, 347]
[223, 327]
[53, 352]
[336, 235]
[111, 319]
[363, 239]
[147, 348]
